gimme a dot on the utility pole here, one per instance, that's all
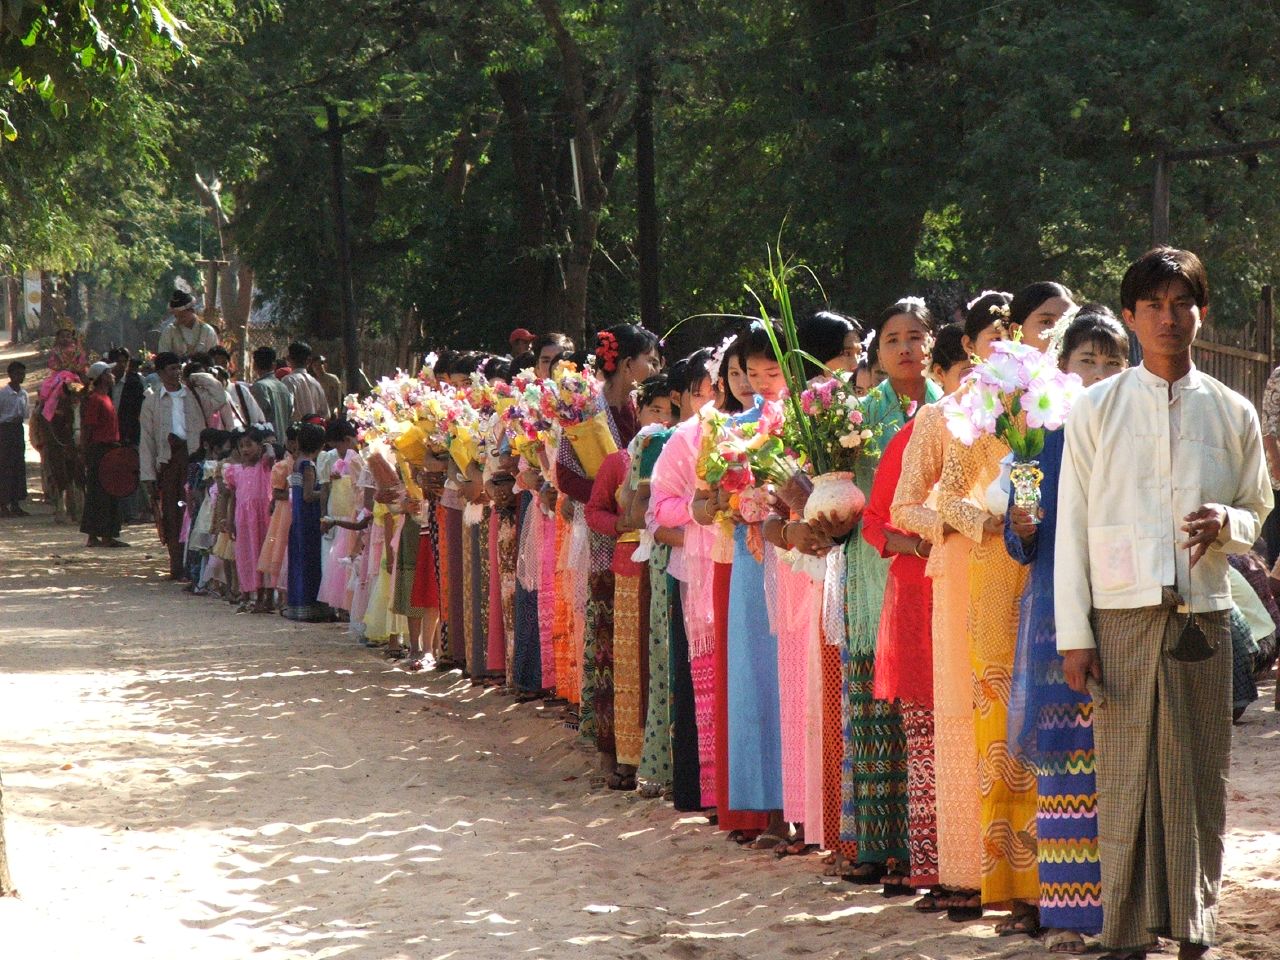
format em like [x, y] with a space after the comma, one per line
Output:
[1165, 159]
[350, 338]
[1160, 191]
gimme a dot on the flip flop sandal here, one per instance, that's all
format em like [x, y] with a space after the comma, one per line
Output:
[793, 848]
[396, 653]
[864, 874]
[767, 841]
[892, 890]
[1019, 923]
[962, 912]
[1065, 941]
[929, 902]
[620, 781]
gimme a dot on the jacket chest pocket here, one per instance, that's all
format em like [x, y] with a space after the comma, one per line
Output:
[1205, 467]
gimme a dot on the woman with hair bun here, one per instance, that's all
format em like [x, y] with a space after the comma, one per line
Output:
[625, 355]
[986, 837]
[1036, 309]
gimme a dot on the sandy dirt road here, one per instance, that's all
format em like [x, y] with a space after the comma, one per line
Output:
[182, 781]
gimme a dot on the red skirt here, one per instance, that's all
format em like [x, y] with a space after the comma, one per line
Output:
[426, 586]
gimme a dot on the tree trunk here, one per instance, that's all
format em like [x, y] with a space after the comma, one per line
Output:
[410, 331]
[6, 882]
[236, 294]
[538, 289]
[350, 336]
[586, 218]
[646, 190]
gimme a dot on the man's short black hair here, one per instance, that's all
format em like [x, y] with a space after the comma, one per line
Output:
[16, 366]
[1156, 269]
[167, 359]
[264, 358]
[299, 352]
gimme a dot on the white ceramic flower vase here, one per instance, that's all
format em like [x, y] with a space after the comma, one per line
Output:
[836, 495]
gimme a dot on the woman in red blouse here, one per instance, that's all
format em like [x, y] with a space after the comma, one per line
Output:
[99, 432]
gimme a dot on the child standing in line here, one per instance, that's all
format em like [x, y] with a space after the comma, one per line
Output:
[304, 529]
[249, 515]
[271, 558]
[223, 548]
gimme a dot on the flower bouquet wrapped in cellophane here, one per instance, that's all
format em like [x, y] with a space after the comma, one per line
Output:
[578, 406]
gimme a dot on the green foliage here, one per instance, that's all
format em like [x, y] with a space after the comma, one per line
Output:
[910, 147]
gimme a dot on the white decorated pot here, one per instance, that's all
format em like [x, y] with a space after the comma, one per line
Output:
[836, 495]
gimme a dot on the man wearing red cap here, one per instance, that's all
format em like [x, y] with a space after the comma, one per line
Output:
[520, 340]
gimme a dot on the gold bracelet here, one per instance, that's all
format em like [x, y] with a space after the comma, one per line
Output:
[916, 549]
[783, 535]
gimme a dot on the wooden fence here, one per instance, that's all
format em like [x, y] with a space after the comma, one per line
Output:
[1241, 357]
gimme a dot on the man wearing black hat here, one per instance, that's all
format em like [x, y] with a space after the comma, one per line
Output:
[171, 421]
[188, 334]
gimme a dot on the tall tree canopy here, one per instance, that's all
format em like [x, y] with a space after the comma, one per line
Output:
[491, 148]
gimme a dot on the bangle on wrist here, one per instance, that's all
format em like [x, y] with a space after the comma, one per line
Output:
[916, 549]
[782, 535]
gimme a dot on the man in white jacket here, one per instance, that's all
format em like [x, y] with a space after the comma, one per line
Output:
[1162, 476]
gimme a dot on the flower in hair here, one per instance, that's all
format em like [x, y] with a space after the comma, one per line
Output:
[607, 350]
[716, 363]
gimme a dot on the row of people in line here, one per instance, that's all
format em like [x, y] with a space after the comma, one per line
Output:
[924, 704]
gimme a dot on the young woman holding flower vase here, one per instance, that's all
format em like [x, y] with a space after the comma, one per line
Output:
[1003, 785]
[625, 355]
[809, 667]
[959, 867]
[874, 771]
[1049, 723]
[754, 725]
[901, 521]
[734, 396]
[683, 550]
[610, 513]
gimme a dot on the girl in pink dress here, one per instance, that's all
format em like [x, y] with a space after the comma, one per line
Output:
[249, 514]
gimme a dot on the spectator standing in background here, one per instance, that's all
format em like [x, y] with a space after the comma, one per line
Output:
[99, 432]
[308, 396]
[14, 411]
[333, 391]
[272, 395]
